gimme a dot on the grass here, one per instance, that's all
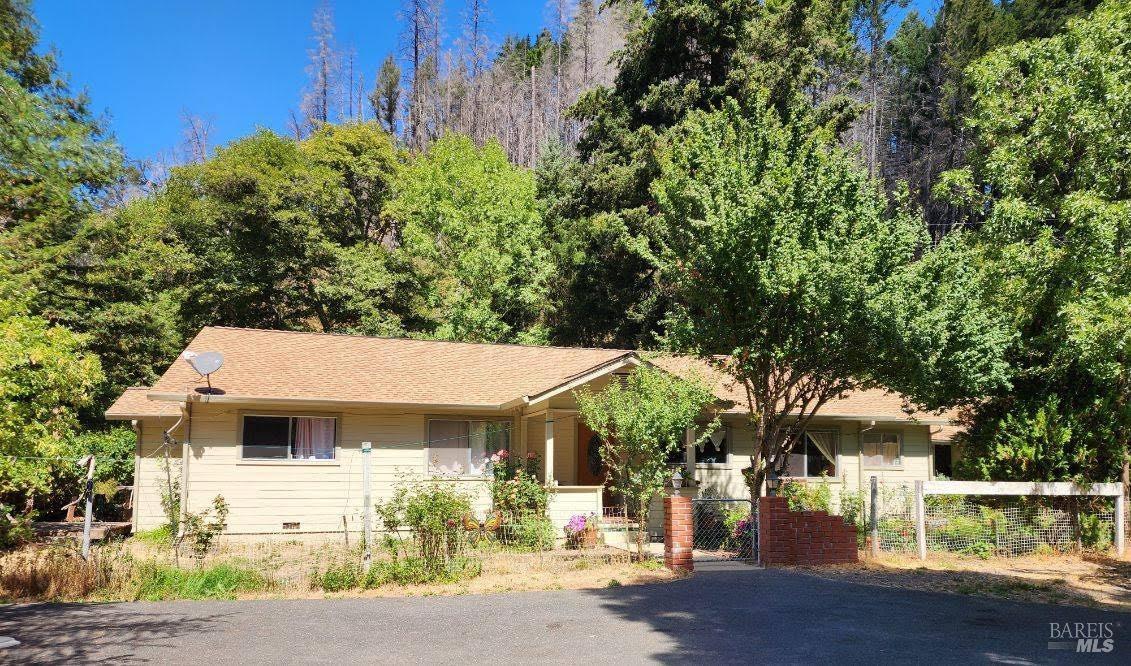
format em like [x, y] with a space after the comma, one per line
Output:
[156, 582]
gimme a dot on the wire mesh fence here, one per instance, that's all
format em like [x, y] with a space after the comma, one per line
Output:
[988, 526]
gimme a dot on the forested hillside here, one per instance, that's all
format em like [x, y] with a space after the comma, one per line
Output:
[971, 209]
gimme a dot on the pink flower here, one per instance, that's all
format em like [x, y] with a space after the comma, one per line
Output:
[504, 454]
[494, 457]
[531, 456]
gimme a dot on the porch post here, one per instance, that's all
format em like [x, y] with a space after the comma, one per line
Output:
[549, 458]
[689, 456]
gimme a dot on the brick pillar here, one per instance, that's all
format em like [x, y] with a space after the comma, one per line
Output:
[678, 533]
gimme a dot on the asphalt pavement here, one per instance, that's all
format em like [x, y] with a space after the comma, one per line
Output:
[726, 616]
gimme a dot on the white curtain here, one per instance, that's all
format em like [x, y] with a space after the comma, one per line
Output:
[314, 438]
[825, 443]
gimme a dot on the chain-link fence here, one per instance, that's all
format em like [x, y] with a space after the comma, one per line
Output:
[724, 529]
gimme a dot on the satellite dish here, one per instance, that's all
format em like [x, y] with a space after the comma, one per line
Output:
[205, 363]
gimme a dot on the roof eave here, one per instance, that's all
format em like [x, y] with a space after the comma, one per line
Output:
[267, 400]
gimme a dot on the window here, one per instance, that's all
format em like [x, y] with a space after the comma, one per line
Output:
[714, 450]
[464, 447]
[882, 449]
[289, 437]
[813, 455]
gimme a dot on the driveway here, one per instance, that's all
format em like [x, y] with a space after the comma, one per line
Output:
[725, 616]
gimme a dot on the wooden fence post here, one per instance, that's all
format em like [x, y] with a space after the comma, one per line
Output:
[873, 521]
[89, 462]
[920, 521]
[1120, 524]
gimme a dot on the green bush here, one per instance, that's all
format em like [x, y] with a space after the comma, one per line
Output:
[157, 582]
[1095, 532]
[528, 532]
[807, 497]
[337, 577]
[15, 528]
[434, 511]
[414, 571]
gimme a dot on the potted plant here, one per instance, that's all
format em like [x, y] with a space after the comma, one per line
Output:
[581, 531]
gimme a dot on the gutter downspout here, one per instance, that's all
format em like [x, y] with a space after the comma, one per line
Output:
[186, 453]
[136, 423]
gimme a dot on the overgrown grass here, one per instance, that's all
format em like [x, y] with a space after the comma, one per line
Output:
[58, 573]
[158, 536]
[157, 582]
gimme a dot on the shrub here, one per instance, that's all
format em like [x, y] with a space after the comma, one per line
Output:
[521, 494]
[435, 512]
[201, 529]
[528, 532]
[807, 497]
[337, 577]
[1095, 532]
[15, 529]
[414, 571]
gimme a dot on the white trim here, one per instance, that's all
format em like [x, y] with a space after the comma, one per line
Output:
[608, 367]
[242, 414]
[1016, 488]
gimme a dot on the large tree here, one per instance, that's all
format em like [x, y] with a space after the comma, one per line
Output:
[788, 275]
[471, 229]
[1052, 125]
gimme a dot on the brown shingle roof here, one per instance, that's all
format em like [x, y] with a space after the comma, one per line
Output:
[133, 404]
[335, 368]
[879, 403]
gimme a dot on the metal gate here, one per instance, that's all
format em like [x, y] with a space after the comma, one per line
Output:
[725, 529]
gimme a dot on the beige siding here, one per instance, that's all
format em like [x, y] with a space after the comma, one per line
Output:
[318, 495]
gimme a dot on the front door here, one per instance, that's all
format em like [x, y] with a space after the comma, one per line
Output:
[590, 468]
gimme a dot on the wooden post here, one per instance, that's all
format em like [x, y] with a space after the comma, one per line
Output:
[873, 522]
[920, 521]
[549, 460]
[1120, 524]
[89, 462]
[689, 457]
[367, 527]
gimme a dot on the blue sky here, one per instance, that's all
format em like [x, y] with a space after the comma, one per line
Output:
[239, 64]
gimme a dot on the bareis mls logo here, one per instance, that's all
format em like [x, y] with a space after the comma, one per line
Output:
[1082, 636]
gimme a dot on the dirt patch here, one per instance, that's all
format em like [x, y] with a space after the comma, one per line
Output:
[1078, 580]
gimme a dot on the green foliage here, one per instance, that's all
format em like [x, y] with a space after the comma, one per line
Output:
[781, 255]
[1052, 124]
[1095, 532]
[158, 536]
[414, 571]
[515, 489]
[434, 511]
[337, 576]
[157, 582]
[15, 528]
[201, 529]
[532, 532]
[808, 497]
[45, 378]
[473, 234]
[641, 423]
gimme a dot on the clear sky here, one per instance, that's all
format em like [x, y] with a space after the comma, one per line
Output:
[239, 64]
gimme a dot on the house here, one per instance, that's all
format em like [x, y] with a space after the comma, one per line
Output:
[280, 432]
